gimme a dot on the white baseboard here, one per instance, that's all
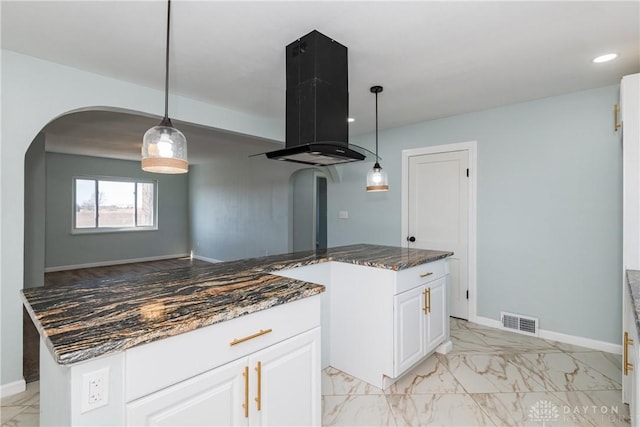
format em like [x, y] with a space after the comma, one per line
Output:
[204, 258]
[13, 388]
[115, 262]
[560, 337]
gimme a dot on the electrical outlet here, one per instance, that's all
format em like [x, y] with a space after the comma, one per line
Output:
[343, 214]
[95, 389]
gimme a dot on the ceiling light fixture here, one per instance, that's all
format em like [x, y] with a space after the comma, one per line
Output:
[605, 58]
[377, 179]
[164, 148]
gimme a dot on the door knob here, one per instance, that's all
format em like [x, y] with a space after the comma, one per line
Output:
[411, 239]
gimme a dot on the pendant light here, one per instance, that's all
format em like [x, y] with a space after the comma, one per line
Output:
[377, 179]
[164, 148]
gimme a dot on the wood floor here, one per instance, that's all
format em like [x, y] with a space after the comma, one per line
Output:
[67, 277]
[31, 339]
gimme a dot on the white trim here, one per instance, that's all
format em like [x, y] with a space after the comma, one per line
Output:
[560, 337]
[10, 389]
[115, 262]
[204, 258]
[472, 148]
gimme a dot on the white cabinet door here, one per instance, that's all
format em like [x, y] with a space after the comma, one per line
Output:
[410, 333]
[214, 398]
[420, 316]
[285, 386]
[437, 314]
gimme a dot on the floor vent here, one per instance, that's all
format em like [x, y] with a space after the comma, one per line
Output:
[519, 323]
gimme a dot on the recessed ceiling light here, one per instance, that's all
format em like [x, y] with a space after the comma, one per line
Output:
[605, 58]
[350, 120]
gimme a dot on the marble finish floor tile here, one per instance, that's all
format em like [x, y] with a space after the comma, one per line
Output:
[336, 383]
[430, 376]
[599, 407]
[466, 341]
[491, 377]
[356, 410]
[504, 341]
[562, 372]
[528, 409]
[28, 416]
[483, 373]
[437, 410]
[610, 365]
[31, 396]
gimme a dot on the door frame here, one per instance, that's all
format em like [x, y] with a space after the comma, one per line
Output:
[472, 148]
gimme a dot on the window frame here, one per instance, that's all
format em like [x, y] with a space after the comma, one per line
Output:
[100, 230]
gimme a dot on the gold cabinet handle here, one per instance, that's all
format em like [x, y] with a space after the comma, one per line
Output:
[427, 274]
[616, 117]
[245, 405]
[626, 364]
[428, 300]
[425, 306]
[250, 337]
[259, 398]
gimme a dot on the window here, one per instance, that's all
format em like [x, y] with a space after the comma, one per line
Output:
[113, 204]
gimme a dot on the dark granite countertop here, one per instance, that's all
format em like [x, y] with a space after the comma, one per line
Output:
[633, 281]
[97, 317]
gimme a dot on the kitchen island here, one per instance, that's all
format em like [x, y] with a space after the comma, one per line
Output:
[178, 345]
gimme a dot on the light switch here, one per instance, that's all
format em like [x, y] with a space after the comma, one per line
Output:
[343, 215]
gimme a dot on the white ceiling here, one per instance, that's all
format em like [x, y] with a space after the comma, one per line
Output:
[434, 59]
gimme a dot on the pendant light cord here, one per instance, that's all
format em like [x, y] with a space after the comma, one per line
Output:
[376, 90]
[376, 127]
[166, 67]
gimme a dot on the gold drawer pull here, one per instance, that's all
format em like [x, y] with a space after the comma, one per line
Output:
[250, 337]
[627, 342]
[426, 274]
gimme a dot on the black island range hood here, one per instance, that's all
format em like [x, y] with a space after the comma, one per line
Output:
[317, 103]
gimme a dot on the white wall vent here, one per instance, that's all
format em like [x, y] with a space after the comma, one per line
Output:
[519, 323]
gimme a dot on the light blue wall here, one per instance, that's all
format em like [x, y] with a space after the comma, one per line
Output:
[549, 207]
[35, 92]
[64, 248]
[240, 208]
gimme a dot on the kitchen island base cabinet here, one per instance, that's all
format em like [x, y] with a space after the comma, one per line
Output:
[259, 369]
[383, 322]
[420, 323]
[278, 386]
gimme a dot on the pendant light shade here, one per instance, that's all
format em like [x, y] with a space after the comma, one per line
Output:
[164, 148]
[377, 179]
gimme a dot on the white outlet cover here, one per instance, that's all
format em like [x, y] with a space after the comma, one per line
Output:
[95, 390]
[343, 214]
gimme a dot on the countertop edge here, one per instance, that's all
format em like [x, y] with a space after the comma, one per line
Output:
[269, 267]
[112, 347]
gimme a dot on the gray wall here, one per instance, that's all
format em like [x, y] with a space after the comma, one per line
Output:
[240, 208]
[302, 183]
[34, 212]
[64, 248]
[549, 207]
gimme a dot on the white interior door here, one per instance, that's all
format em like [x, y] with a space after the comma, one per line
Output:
[438, 201]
